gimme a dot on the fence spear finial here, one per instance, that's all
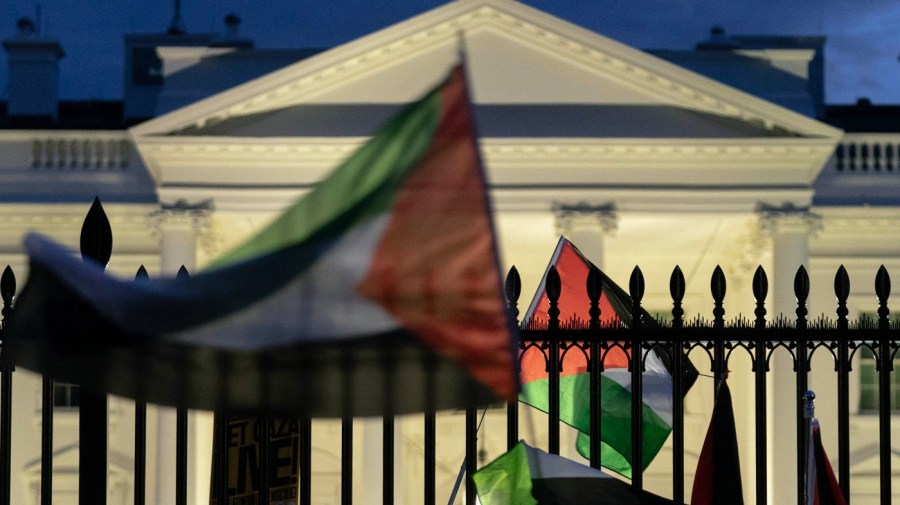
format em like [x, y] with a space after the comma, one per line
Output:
[809, 406]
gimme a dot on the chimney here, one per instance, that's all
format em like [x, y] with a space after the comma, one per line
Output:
[33, 74]
[232, 25]
[718, 40]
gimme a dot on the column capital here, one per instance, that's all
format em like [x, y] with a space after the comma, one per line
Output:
[182, 214]
[179, 227]
[786, 218]
[602, 217]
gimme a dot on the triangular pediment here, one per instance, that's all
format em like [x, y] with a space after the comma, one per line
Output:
[515, 55]
[611, 122]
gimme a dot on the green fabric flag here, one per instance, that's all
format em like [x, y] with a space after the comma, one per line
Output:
[506, 480]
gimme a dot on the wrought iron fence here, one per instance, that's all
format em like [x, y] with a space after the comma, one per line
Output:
[676, 338]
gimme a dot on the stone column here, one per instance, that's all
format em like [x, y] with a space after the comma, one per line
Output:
[790, 229]
[586, 226]
[178, 226]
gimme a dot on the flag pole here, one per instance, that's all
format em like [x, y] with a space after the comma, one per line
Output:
[809, 411]
[462, 467]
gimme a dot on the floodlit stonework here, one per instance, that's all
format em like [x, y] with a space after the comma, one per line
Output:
[677, 168]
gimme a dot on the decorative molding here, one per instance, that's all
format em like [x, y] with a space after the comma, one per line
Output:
[602, 217]
[786, 162]
[181, 214]
[788, 217]
[498, 147]
[196, 216]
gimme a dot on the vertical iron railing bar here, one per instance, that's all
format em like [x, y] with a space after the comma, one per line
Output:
[430, 457]
[305, 460]
[266, 429]
[471, 453]
[6, 433]
[347, 366]
[7, 293]
[387, 431]
[883, 291]
[220, 462]
[430, 428]
[594, 286]
[47, 405]
[842, 292]
[181, 455]
[801, 292]
[676, 290]
[513, 290]
[346, 460]
[96, 245]
[719, 369]
[181, 437]
[760, 369]
[718, 288]
[140, 432]
[636, 290]
[553, 360]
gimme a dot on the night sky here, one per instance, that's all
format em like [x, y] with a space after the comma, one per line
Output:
[861, 52]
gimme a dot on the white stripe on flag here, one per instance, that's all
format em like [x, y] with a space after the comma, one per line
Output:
[657, 385]
[320, 304]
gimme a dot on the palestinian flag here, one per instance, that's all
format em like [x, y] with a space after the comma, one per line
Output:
[718, 476]
[574, 388]
[821, 484]
[526, 476]
[385, 275]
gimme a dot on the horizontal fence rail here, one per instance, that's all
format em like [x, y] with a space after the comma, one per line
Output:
[590, 341]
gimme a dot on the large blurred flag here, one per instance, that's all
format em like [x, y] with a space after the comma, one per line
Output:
[378, 292]
[574, 388]
[526, 476]
[821, 484]
[718, 476]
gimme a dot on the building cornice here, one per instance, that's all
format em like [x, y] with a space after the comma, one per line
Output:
[648, 162]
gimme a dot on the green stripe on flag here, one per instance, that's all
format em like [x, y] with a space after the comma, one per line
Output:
[615, 418]
[506, 480]
[362, 187]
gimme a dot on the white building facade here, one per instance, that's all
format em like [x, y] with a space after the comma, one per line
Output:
[638, 160]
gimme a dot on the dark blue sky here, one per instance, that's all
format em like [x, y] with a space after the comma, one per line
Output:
[861, 53]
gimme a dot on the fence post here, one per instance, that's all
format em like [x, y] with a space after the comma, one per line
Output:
[513, 291]
[636, 290]
[96, 245]
[7, 292]
[760, 369]
[347, 366]
[140, 431]
[883, 291]
[553, 291]
[594, 291]
[801, 292]
[676, 289]
[842, 292]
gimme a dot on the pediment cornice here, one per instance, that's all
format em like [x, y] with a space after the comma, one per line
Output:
[295, 162]
[441, 28]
